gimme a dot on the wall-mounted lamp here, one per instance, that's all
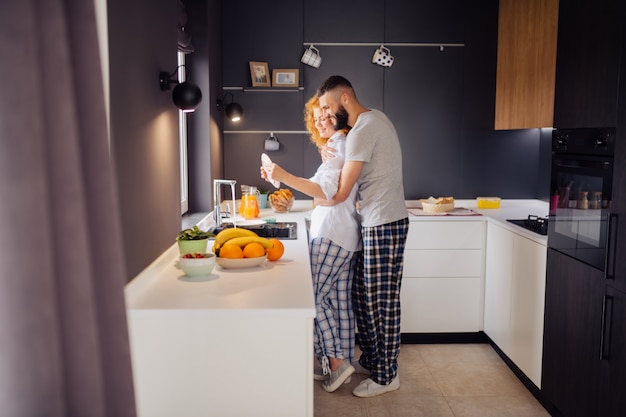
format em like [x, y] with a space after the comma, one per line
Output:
[233, 110]
[186, 96]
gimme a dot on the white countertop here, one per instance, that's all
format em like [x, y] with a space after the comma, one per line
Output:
[509, 209]
[277, 288]
[282, 287]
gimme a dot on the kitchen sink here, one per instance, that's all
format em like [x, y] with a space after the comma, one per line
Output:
[279, 230]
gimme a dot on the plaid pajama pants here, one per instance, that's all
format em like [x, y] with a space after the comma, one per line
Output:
[376, 298]
[332, 270]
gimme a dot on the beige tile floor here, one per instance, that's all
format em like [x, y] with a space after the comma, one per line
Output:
[451, 380]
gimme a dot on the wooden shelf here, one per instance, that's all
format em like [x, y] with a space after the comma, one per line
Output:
[265, 89]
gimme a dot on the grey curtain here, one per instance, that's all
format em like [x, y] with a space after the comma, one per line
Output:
[64, 347]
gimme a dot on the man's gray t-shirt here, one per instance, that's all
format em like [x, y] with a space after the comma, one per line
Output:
[373, 140]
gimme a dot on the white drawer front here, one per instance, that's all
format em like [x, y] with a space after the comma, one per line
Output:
[443, 263]
[436, 305]
[446, 235]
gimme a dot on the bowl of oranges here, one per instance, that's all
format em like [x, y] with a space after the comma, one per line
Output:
[243, 248]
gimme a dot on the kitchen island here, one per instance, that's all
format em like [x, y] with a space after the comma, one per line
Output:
[238, 342]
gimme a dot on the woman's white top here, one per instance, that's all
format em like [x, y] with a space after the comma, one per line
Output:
[338, 223]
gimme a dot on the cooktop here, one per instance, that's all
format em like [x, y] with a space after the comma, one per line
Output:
[533, 223]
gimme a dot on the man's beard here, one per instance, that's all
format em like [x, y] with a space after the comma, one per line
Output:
[341, 118]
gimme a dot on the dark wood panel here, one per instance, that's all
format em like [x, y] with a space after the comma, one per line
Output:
[573, 321]
[618, 205]
[613, 400]
[587, 64]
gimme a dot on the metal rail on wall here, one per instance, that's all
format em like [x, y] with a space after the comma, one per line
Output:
[282, 132]
[438, 45]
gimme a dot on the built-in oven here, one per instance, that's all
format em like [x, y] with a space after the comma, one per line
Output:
[580, 201]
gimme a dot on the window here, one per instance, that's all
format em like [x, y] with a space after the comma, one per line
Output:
[182, 139]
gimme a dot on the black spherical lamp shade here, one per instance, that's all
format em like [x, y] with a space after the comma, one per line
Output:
[187, 96]
[234, 112]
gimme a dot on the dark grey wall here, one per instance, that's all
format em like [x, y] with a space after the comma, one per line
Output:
[442, 102]
[144, 126]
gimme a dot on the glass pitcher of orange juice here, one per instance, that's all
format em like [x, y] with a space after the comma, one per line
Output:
[249, 208]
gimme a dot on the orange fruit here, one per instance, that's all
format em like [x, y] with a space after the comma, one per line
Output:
[231, 251]
[253, 250]
[275, 253]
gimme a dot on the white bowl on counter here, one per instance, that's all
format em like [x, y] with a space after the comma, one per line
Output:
[235, 263]
[195, 267]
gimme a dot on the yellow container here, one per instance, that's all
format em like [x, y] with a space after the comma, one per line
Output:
[488, 202]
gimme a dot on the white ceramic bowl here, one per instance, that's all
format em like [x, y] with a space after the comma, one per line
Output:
[230, 263]
[194, 267]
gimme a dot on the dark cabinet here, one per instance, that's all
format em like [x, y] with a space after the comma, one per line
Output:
[613, 364]
[584, 352]
[584, 363]
[572, 327]
[612, 398]
[587, 63]
[618, 205]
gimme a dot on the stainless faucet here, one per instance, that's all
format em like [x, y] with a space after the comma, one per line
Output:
[217, 199]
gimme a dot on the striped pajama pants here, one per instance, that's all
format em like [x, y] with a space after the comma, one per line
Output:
[332, 271]
[376, 298]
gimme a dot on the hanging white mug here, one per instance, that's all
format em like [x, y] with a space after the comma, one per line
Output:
[311, 57]
[382, 56]
[271, 143]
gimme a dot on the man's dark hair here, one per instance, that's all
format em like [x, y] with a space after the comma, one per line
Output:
[333, 82]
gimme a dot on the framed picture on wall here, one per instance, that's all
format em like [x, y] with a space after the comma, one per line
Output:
[260, 74]
[285, 78]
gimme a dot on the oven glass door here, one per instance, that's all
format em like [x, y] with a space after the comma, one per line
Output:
[581, 201]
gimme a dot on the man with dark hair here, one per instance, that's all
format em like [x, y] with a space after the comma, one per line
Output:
[373, 160]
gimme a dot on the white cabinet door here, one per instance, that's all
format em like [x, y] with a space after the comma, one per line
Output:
[441, 305]
[527, 306]
[514, 298]
[498, 274]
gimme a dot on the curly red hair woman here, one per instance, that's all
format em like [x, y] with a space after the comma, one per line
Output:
[309, 122]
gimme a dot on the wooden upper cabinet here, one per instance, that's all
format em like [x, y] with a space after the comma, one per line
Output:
[527, 38]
